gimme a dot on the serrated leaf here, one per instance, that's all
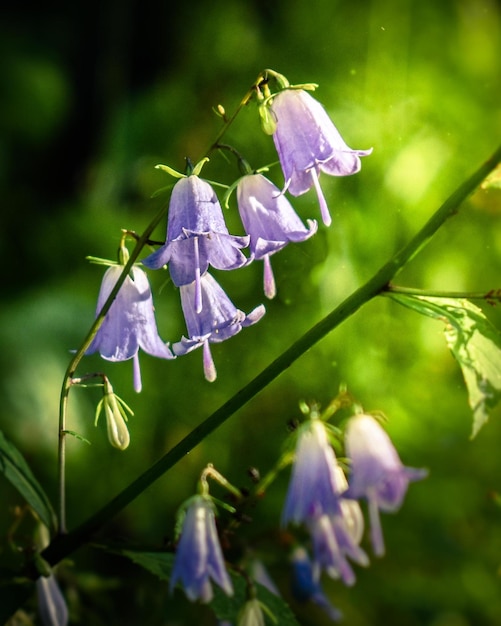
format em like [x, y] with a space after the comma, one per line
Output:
[17, 471]
[475, 344]
[226, 608]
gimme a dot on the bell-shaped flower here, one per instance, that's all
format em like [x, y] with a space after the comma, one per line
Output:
[308, 143]
[306, 583]
[197, 236]
[270, 220]
[377, 472]
[199, 558]
[51, 603]
[314, 487]
[130, 322]
[219, 319]
[336, 537]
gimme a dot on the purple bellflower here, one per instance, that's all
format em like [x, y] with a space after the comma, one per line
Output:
[377, 472]
[314, 487]
[51, 603]
[306, 583]
[196, 237]
[129, 323]
[270, 220]
[336, 537]
[199, 557]
[308, 143]
[219, 319]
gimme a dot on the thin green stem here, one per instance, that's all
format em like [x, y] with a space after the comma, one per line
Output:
[63, 545]
[228, 122]
[75, 361]
[489, 296]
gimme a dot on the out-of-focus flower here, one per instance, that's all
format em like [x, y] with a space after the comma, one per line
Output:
[197, 237]
[51, 603]
[218, 320]
[336, 537]
[251, 614]
[270, 220]
[199, 558]
[308, 143]
[116, 417]
[306, 583]
[314, 487]
[377, 472]
[129, 323]
[260, 574]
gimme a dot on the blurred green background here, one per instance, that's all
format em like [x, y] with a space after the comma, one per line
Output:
[93, 96]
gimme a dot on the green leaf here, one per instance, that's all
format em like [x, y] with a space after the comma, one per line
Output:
[225, 607]
[475, 344]
[17, 471]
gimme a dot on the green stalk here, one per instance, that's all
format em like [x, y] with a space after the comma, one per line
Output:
[63, 545]
[75, 361]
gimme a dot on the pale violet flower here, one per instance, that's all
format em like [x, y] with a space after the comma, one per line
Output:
[336, 537]
[377, 472]
[306, 583]
[129, 323]
[51, 603]
[308, 143]
[199, 558]
[314, 487]
[270, 220]
[197, 236]
[218, 320]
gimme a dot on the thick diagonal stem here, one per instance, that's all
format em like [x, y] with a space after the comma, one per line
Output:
[63, 545]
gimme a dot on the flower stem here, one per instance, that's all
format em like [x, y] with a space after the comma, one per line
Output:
[63, 545]
[491, 296]
[68, 377]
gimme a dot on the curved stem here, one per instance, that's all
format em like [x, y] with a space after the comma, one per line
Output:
[63, 545]
[68, 376]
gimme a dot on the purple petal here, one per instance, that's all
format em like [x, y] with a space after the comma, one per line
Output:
[268, 217]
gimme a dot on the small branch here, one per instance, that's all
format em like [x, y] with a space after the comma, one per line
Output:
[492, 296]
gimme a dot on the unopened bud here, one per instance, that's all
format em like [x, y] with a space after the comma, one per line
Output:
[116, 417]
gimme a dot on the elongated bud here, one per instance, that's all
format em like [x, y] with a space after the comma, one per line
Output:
[114, 410]
[118, 434]
[268, 123]
[251, 614]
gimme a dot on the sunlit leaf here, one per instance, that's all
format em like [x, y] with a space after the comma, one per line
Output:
[475, 344]
[17, 471]
[226, 608]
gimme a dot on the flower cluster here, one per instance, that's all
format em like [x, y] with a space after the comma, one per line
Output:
[197, 238]
[321, 499]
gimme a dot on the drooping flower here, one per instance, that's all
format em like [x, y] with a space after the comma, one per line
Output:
[306, 583]
[129, 323]
[308, 143]
[51, 603]
[219, 319]
[377, 472]
[314, 487]
[197, 236]
[336, 537]
[199, 558]
[270, 220]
